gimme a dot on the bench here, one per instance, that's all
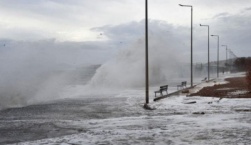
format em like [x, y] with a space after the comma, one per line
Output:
[182, 85]
[161, 89]
[205, 79]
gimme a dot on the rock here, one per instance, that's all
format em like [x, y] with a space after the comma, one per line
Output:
[185, 91]
[192, 102]
[202, 113]
[243, 110]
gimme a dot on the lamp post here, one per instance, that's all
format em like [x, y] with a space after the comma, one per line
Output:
[230, 60]
[208, 61]
[217, 55]
[191, 40]
[146, 49]
[226, 54]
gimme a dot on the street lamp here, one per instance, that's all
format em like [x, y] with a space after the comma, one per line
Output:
[208, 62]
[191, 40]
[217, 55]
[146, 49]
[226, 54]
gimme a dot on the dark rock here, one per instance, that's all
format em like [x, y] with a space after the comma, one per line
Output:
[201, 113]
[192, 102]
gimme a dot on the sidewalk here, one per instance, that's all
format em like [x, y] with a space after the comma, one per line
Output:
[227, 86]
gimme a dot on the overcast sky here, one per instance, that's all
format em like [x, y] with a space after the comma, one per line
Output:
[45, 43]
[102, 20]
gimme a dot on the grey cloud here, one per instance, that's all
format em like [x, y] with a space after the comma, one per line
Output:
[65, 10]
[248, 9]
[124, 32]
[234, 30]
[221, 3]
[225, 14]
[177, 37]
[132, 31]
[42, 9]
[64, 19]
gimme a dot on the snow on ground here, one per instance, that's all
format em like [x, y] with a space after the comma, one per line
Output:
[208, 121]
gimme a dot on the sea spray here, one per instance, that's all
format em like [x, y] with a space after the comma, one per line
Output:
[35, 72]
[127, 69]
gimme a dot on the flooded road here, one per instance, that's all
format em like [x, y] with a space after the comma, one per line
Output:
[47, 120]
[120, 119]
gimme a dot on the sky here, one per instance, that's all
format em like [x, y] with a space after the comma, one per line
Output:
[111, 20]
[44, 44]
